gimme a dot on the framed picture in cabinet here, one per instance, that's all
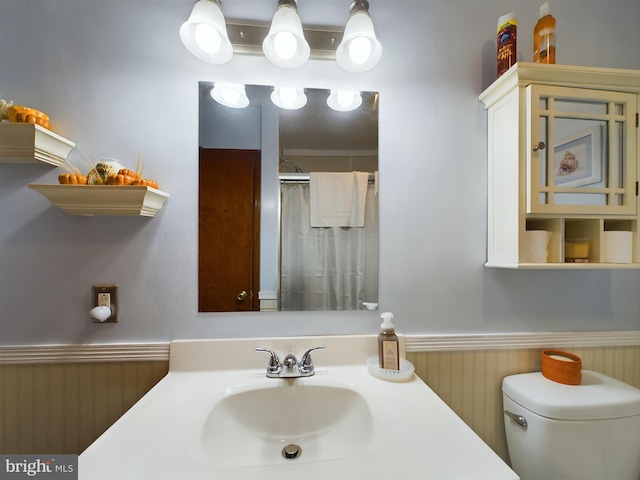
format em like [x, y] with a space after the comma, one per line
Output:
[578, 158]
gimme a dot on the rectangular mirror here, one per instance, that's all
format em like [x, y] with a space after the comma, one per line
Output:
[262, 217]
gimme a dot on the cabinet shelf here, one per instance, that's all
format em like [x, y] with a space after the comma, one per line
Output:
[91, 200]
[564, 266]
[28, 143]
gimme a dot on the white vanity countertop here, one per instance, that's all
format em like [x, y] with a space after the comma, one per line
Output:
[415, 434]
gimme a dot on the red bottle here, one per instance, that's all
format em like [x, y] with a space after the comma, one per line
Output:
[506, 42]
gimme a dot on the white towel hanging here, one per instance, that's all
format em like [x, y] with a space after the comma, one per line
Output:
[337, 199]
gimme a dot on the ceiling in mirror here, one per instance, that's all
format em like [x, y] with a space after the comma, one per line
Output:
[317, 127]
[314, 129]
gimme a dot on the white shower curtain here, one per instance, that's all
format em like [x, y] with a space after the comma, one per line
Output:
[329, 268]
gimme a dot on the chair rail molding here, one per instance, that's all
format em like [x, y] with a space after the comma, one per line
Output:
[80, 353]
[83, 353]
[499, 341]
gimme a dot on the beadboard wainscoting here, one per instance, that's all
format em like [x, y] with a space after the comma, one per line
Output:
[470, 382]
[56, 408]
[59, 399]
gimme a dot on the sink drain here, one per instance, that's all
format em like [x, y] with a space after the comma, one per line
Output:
[291, 451]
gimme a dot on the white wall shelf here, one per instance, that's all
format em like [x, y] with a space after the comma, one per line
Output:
[91, 200]
[32, 144]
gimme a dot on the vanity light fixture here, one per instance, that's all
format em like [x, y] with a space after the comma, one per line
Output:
[289, 98]
[359, 50]
[209, 37]
[285, 44]
[344, 100]
[231, 95]
[205, 33]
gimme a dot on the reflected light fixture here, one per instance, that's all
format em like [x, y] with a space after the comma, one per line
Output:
[344, 100]
[359, 50]
[205, 33]
[289, 98]
[285, 44]
[231, 95]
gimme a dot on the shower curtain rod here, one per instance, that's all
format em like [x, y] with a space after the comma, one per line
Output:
[304, 178]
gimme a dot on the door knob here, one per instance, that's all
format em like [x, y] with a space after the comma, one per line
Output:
[242, 295]
[539, 146]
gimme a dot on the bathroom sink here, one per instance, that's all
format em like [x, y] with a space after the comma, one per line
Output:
[217, 415]
[253, 426]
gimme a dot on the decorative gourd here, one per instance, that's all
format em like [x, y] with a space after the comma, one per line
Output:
[120, 179]
[72, 179]
[130, 173]
[20, 114]
[145, 183]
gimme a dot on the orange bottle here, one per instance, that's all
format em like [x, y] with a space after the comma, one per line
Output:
[544, 37]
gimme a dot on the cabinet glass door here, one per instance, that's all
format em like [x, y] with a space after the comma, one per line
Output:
[581, 151]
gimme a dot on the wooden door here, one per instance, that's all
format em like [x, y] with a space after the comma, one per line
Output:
[228, 230]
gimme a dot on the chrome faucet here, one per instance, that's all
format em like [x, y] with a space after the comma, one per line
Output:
[290, 368]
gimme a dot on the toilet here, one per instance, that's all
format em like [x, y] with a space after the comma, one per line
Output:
[589, 431]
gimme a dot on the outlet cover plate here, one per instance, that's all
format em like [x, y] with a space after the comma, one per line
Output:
[112, 290]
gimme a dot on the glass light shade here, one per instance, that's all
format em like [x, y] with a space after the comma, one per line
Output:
[285, 44]
[231, 95]
[205, 33]
[289, 98]
[344, 100]
[359, 50]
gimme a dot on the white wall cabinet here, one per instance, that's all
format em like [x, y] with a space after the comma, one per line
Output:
[563, 157]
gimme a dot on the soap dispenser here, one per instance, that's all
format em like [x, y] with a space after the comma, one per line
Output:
[388, 350]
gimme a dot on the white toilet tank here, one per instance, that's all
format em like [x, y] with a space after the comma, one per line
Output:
[589, 431]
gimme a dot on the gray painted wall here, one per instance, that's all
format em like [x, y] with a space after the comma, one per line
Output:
[116, 79]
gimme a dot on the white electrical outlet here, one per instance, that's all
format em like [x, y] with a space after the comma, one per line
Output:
[107, 296]
[104, 300]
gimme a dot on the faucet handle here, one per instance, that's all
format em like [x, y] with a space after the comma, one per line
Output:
[306, 364]
[274, 367]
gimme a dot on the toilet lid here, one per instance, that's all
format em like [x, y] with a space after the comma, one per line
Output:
[597, 397]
